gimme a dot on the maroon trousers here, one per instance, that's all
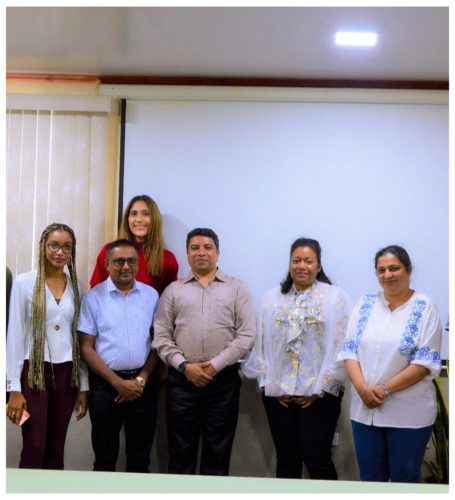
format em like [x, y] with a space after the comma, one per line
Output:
[44, 433]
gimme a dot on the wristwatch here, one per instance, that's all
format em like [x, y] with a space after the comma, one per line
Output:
[141, 381]
[182, 366]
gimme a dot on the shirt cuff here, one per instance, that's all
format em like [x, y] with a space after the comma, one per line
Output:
[342, 356]
[83, 379]
[218, 363]
[86, 330]
[83, 385]
[433, 367]
[13, 385]
[176, 360]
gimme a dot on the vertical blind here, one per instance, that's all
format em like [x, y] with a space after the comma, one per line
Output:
[60, 168]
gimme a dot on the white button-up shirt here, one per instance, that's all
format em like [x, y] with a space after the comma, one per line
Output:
[385, 342]
[58, 347]
[121, 323]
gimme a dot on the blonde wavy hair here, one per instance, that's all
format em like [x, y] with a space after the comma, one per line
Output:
[38, 327]
[154, 242]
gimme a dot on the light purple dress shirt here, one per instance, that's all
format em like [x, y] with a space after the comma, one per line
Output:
[196, 323]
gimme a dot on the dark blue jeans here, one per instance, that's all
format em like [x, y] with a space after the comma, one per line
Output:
[304, 435]
[107, 416]
[210, 412]
[390, 453]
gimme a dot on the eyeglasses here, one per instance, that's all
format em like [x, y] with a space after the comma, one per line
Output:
[55, 247]
[131, 261]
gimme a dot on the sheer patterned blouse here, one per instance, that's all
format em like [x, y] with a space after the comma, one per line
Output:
[298, 339]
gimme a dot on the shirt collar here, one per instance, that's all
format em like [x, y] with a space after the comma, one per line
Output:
[308, 290]
[386, 302]
[219, 276]
[112, 288]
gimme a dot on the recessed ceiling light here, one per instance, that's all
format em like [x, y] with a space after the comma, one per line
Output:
[356, 38]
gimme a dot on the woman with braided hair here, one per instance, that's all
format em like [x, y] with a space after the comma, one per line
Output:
[45, 376]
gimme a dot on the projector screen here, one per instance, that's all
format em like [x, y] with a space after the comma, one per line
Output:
[355, 176]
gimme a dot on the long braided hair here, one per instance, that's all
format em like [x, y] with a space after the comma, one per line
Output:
[38, 327]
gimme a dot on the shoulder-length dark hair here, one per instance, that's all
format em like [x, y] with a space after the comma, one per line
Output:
[286, 284]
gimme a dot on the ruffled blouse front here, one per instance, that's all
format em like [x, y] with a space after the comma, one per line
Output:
[299, 337]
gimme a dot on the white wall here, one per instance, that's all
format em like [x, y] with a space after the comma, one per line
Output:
[354, 176]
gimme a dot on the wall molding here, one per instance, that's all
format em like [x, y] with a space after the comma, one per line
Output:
[245, 81]
[238, 81]
[69, 103]
[274, 94]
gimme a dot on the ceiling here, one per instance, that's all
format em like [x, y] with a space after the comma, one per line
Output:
[256, 42]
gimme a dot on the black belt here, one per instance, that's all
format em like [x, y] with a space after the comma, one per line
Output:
[128, 374]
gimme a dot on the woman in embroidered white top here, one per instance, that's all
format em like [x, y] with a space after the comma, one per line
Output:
[391, 355]
[301, 327]
[45, 378]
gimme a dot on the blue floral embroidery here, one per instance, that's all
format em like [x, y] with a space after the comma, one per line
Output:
[364, 315]
[408, 346]
[427, 354]
[350, 346]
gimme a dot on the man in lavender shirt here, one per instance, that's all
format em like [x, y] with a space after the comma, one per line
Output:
[204, 325]
[115, 337]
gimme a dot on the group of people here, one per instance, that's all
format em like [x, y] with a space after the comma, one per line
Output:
[101, 352]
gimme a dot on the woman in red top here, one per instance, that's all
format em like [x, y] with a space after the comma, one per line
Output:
[142, 224]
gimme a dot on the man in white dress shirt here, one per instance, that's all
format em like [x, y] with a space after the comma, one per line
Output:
[115, 338]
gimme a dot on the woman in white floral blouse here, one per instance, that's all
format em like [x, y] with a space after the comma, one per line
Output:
[301, 328]
[391, 354]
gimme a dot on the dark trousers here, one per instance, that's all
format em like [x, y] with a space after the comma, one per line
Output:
[44, 433]
[210, 412]
[107, 417]
[304, 435]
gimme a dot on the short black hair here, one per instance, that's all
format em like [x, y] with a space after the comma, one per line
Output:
[118, 243]
[400, 253]
[203, 231]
